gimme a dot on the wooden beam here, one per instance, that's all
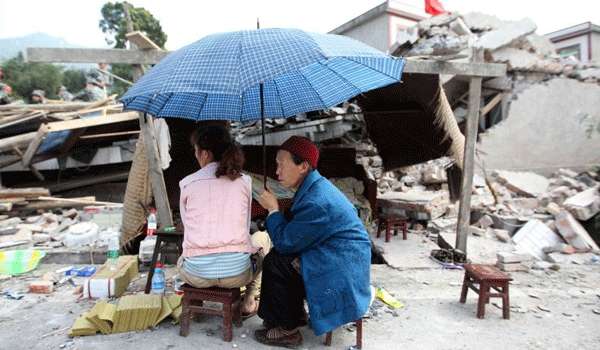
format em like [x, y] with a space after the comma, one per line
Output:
[49, 107]
[89, 122]
[34, 145]
[455, 68]
[27, 193]
[464, 212]
[157, 180]
[7, 143]
[64, 55]
[490, 105]
[110, 134]
[142, 41]
[32, 167]
[91, 180]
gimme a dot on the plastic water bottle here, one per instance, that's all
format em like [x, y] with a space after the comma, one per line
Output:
[158, 280]
[112, 255]
[152, 224]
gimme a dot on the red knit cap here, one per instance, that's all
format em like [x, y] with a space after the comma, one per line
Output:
[303, 148]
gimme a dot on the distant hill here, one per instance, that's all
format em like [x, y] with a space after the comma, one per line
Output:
[10, 47]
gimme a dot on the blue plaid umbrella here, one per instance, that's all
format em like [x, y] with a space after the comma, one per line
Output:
[220, 77]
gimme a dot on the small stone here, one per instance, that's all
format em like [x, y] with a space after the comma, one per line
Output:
[497, 305]
[567, 314]
[543, 308]
[535, 296]
[243, 335]
[596, 311]
[455, 284]
[234, 345]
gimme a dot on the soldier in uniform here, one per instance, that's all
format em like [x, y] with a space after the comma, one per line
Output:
[64, 94]
[5, 91]
[93, 91]
[38, 96]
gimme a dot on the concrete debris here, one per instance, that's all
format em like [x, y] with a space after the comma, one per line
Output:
[415, 204]
[513, 257]
[524, 183]
[517, 267]
[501, 235]
[480, 22]
[534, 237]
[572, 231]
[506, 34]
[584, 205]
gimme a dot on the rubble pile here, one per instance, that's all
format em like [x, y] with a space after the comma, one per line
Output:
[92, 226]
[512, 42]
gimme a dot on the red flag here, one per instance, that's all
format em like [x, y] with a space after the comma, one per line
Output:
[434, 7]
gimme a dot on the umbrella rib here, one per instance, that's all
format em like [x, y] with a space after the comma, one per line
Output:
[279, 97]
[316, 92]
[344, 78]
[164, 104]
[380, 72]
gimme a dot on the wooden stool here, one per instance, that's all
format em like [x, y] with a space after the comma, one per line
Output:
[486, 276]
[392, 224]
[175, 238]
[192, 303]
[359, 324]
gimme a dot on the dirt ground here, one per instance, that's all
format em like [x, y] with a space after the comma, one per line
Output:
[550, 310]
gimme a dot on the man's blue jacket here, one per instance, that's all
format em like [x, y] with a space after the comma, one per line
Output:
[334, 249]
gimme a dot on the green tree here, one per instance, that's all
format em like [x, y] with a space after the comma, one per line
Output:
[114, 24]
[24, 77]
[74, 80]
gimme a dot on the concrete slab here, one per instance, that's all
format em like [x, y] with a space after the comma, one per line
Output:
[480, 250]
[506, 34]
[410, 254]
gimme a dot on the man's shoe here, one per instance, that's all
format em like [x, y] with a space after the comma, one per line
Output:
[279, 337]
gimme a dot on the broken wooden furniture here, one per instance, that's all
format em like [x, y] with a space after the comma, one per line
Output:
[193, 303]
[168, 238]
[391, 223]
[358, 323]
[486, 276]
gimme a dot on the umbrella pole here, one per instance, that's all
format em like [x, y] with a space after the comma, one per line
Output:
[264, 146]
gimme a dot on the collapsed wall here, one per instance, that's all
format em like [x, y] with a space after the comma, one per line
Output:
[549, 125]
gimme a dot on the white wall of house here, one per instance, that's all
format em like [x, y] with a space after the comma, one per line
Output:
[373, 32]
[582, 41]
[596, 47]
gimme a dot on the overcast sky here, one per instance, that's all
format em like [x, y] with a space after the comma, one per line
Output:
[186, 21]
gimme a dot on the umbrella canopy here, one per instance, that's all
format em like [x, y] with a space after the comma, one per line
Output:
[220, 76]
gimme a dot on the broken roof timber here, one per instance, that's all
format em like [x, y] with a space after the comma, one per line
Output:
[67, 55]
[48, 55]
[455, 68]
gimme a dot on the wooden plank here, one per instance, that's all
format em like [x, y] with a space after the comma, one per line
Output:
[157, 180]
[89, 122]
[110, 134]
[49, 107]
[27, 193]
[82, 182]
[464, 212]
[64, 55]
[490, 105]
[85, 201]
[34, 145]
[142, 41]
[8, 143]
[32, 167]
[455, 68]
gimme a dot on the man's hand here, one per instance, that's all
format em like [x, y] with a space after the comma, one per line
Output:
[268, 201]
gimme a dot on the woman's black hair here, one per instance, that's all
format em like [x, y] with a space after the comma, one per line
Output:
[224, 149]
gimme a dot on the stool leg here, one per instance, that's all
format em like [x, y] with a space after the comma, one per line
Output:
[227, 322]
[505, 302]
[484, 290]
[404, 230]
[388, 231]
[379, 227]
[237, 314]
[186, 315]
[359, 333]
[152, 264]
[328, 337]
[465, 289]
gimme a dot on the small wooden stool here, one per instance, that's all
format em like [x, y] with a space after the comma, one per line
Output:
[486, 276]
[192, 303]
[359, 324]
[390, 223]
